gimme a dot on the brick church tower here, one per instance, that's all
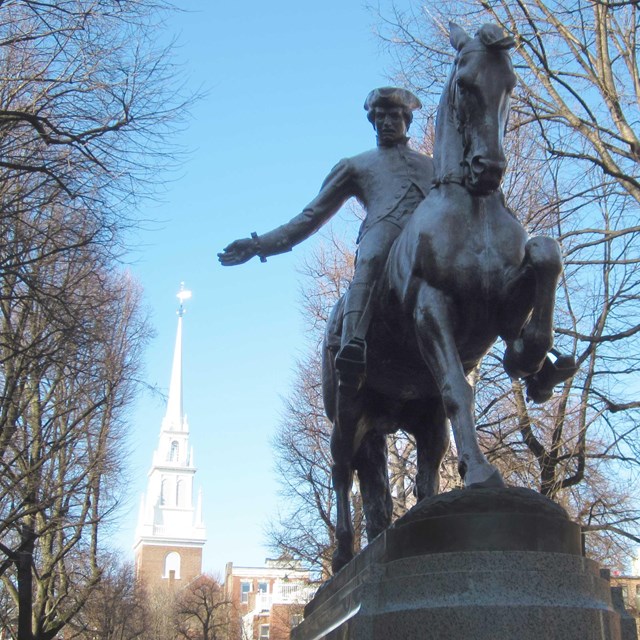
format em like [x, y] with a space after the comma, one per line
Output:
[170, 533]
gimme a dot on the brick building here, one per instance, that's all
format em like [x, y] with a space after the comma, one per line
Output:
[267, 602]
[170, 533]
[629, 585]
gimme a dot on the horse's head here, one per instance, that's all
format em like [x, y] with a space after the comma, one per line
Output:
[478, 97]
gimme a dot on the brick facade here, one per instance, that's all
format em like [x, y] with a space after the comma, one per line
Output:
[150, 565]
[630, 594]
[272, 602]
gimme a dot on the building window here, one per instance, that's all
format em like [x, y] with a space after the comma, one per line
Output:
[172, 565]
[263, 587]
[173, 453]
[264, 632]
[625, 594]
[163, 491]
[245, 587]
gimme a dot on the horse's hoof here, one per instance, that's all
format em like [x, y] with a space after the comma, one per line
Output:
[512, 360]
[540, 385]
[537, 394]
[493, 481]
[482, 476]
[339, 560]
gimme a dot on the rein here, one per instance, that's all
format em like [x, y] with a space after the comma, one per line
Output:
[461, 128]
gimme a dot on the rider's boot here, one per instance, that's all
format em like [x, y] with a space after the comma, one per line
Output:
[351, 359]
[540, 385]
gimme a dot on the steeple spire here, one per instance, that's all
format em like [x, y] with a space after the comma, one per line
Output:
[171, 533]
[174, 417]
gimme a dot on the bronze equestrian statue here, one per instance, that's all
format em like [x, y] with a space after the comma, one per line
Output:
[461, 273]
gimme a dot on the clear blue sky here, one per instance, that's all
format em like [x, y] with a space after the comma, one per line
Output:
[286, 82]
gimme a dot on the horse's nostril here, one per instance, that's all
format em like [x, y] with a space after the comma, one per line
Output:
[481, 165]
[478, 164]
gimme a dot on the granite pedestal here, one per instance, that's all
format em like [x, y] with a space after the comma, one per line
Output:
[498, 564]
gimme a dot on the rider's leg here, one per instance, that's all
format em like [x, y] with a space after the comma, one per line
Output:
[372, 253]
[352, 354]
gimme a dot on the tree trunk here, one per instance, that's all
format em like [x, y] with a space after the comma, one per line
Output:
[25, 583]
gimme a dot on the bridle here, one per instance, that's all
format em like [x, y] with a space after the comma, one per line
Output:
[459, 121]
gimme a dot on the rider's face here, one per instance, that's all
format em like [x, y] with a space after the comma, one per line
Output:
[390, 125]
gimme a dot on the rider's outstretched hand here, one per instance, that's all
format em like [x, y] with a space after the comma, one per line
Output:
[238, 252]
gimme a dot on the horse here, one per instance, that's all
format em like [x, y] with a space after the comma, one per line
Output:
[462, 273]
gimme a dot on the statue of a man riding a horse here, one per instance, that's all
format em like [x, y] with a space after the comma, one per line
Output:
[453, 270]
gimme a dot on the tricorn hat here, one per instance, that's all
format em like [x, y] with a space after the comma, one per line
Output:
[390, 97]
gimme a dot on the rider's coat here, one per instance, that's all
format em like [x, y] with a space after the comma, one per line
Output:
[380, 179]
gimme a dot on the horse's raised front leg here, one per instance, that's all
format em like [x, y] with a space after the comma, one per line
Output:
[432, 442]
[532, 291]
[371, 465]
[433, 325]
[527, 313]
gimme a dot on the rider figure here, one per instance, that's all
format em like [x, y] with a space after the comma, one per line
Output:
[390, 181]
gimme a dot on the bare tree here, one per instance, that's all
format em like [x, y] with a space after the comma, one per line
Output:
[202, 612]
[160, 607]
[304, 529]
[85, 97]
[60, 465]
[115, 609]
[87, 102]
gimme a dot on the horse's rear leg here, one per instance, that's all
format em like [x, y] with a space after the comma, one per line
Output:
[433, 324]
[432, 441]
[371, 465]
[527, 314]
[348, 414]
[342, 476]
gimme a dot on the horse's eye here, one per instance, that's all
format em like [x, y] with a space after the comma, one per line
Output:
[462, 83]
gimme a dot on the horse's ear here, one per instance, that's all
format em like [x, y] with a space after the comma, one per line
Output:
[492, 36]
[457, 36]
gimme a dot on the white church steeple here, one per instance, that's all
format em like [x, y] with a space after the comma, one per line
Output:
[170, 528]
[174, 418]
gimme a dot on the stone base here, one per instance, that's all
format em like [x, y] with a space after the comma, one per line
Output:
[498, 564]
